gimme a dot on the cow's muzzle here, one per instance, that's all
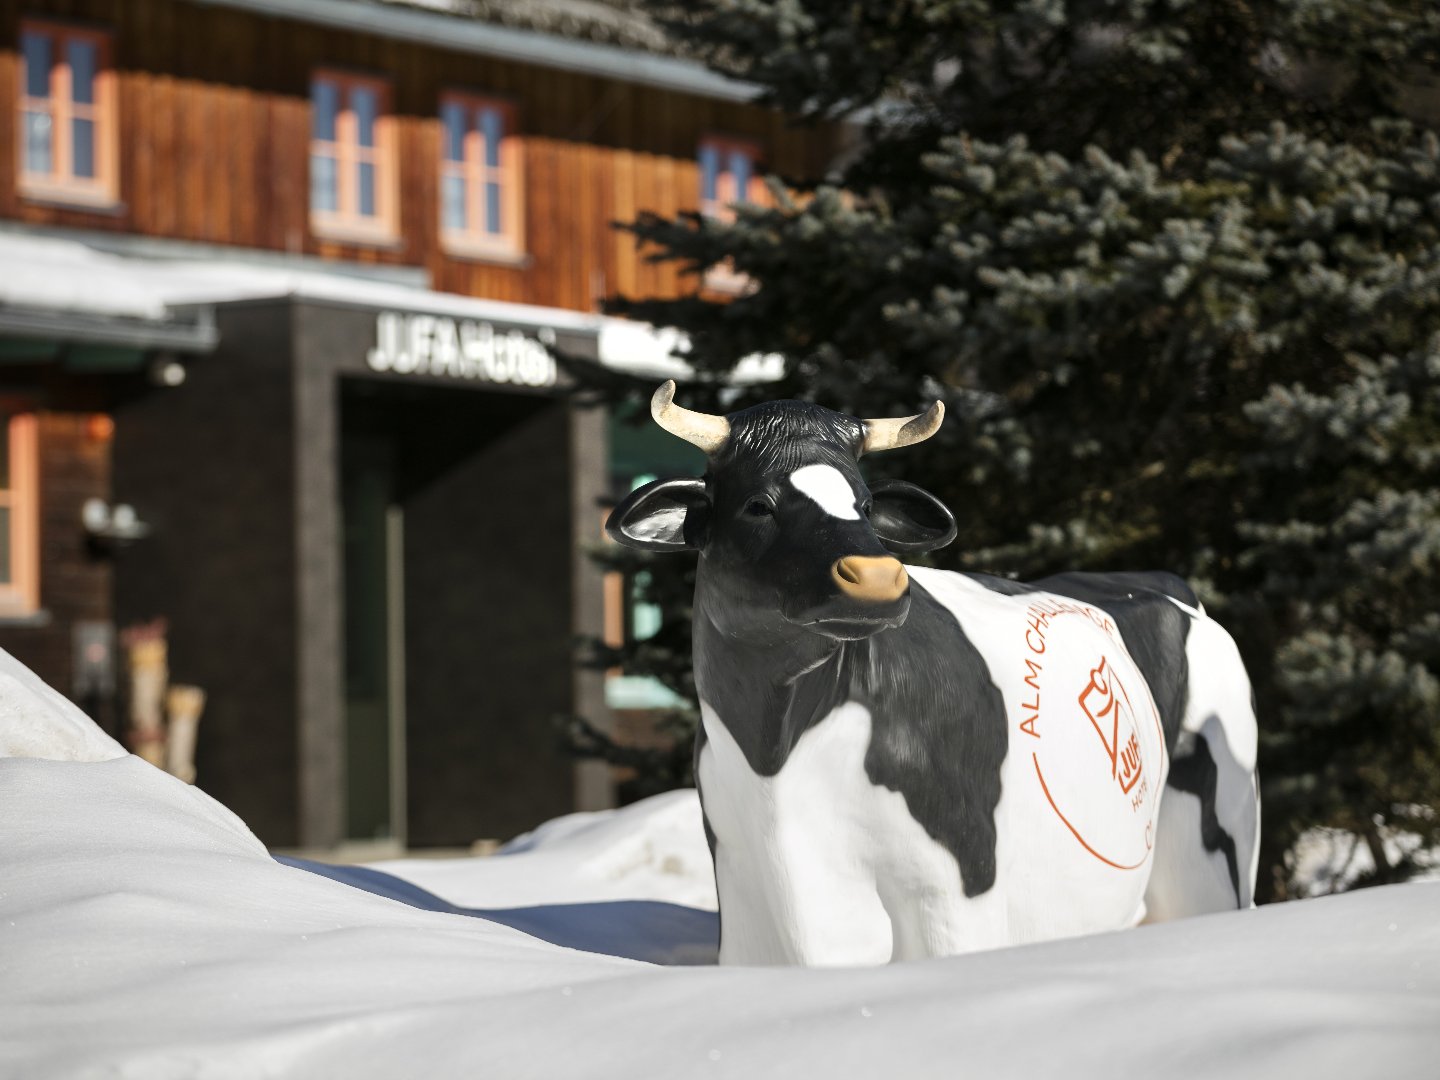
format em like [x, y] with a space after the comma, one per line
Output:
[870, 579]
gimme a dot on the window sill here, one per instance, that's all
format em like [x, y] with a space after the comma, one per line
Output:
[481, 253]
[63, 198]
[16, 620]
[357, 237]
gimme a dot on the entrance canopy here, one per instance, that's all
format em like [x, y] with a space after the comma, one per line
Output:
[83, 290]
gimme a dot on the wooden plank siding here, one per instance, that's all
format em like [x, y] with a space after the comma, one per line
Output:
[214, 118]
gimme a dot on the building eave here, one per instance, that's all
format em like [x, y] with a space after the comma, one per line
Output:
[196, 334]
[448, 31]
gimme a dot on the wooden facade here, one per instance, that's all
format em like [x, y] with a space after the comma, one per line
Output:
[214, 122]
[308, 512]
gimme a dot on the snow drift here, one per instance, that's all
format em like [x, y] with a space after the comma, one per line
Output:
[145, 932]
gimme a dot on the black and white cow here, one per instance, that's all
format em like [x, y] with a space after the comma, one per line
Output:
[905, 762]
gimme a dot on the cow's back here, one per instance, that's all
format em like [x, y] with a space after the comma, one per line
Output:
[1153, 611]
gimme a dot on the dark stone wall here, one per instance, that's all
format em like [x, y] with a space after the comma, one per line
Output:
[75, 582]
[488, 625]
[210, 464]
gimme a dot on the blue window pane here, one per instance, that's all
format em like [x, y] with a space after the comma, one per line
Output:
[452, 118]
[37, 143]
[709, 173]
[82, 71]
[83, 151]
[363, 101]
[323, 194]
[367, 189]
[493, 224]
[37, 64]
[452, 202]
[325, 103]
[740, 171]
[493, 127]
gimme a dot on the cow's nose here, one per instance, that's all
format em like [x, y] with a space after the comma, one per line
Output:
[864, 577]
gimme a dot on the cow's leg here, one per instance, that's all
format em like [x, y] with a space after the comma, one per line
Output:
[1207, 839]
[794, 883]
[797, 905]
[940, 922]
[930, 915]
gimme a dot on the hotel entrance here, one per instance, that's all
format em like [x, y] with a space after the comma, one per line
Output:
[456, 548]
[379, 573]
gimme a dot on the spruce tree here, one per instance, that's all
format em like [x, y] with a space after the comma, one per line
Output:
[1175, 269]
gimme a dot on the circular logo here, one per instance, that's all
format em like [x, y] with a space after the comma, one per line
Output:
[1092, 730]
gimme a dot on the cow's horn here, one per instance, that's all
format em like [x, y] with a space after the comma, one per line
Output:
[902, 431]
[701, 429]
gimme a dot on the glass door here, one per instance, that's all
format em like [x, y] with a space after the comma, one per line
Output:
[374, 640]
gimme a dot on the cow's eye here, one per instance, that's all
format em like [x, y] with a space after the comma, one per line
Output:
[867, 507]
[759, 508]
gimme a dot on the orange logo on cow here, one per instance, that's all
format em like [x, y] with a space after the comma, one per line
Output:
[1107, 705]
[1110, 816]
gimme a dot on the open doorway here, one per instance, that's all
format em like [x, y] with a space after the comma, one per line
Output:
[458, 611]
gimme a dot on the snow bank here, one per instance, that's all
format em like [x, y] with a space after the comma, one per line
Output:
[144, 932]
[1325, 861]
[653, 850]
[37, 722]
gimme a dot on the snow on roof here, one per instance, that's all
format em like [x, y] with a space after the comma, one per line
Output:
[619, 39]
[626, 23]
[144, 931]
[62, 276]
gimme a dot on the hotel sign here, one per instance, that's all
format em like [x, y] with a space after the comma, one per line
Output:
[460, 348]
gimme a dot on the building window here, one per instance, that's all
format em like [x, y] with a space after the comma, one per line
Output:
[481, 188]
[19, 516]
[729, 174]
[67, 115]
[352, 159]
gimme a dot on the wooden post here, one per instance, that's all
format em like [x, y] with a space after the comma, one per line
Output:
[184, 704]
[149, 672]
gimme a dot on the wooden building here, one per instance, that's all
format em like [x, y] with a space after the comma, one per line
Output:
[277, 279]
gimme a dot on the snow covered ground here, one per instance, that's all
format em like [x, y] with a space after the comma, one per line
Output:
[146, 933]
[653, 850]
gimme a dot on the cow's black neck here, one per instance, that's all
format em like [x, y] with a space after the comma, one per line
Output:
[938, 731]
[769, 690]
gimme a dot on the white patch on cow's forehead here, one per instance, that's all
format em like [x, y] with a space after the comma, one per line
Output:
[827, 486]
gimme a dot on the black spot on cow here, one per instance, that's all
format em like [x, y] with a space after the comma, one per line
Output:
[1195, 772]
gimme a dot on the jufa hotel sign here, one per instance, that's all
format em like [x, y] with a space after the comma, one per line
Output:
[460, 348]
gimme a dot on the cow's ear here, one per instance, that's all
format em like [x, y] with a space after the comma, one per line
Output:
[909, 518]
[664, 515]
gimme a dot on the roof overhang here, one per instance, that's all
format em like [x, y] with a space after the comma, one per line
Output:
[56, 286]
[458, 33]
[190, 332]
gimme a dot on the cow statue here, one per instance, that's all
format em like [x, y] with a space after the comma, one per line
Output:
[899, 762]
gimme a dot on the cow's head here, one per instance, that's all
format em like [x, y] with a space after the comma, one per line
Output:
[790, 536]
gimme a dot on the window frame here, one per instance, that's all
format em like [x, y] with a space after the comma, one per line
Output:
[61, 184]
[721, 208]
[21, 596]
[346, 223]
[475, 241]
